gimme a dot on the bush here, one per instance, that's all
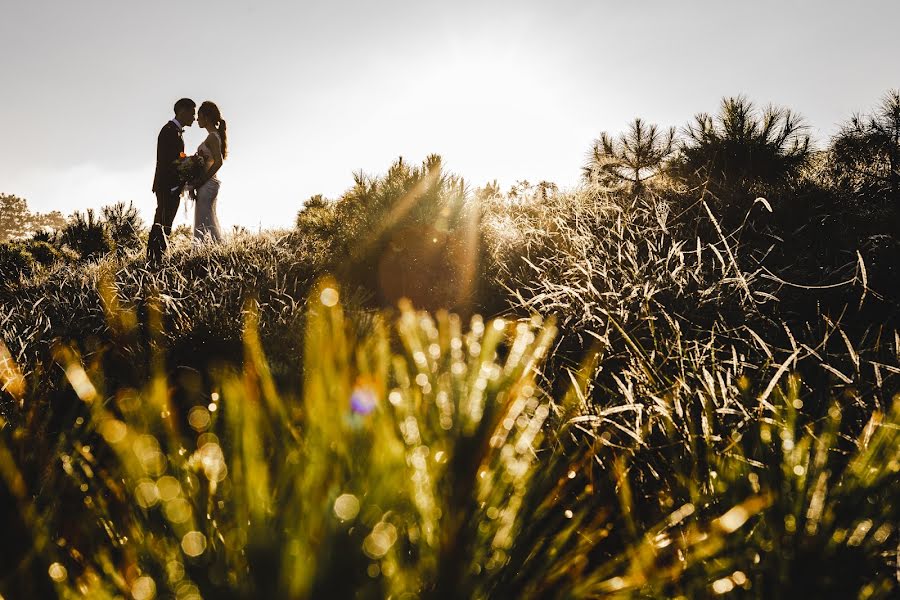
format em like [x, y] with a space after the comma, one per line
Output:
[87, 235]
[740, 153]
[124, 225]
[51, 236]
[390, 234]
[44, 254]
[318, 226]
[317, 218]
[15, 261]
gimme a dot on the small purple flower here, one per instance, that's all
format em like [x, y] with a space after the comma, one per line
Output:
[362, 400]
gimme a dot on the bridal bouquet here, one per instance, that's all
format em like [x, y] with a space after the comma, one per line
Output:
[190, 168]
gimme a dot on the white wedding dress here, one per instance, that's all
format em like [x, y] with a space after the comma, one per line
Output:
[206, 223]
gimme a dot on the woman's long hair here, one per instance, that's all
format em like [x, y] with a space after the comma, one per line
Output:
[211, 112]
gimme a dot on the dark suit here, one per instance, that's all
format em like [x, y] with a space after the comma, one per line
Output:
[169, 147]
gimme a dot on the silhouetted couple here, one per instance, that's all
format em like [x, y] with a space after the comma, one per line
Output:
[176, 173]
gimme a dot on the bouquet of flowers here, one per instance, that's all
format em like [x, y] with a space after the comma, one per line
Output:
[190, 168]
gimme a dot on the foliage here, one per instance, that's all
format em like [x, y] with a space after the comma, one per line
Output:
[84, 236]
[203, 289]
[20, 259]
[388, 234]
[741, 153]
[674, 335]
[318, 223]
[87, 235]
[13, 216]
[629, 159]
[406, 196]
[616, 258]
[43, 253]
[49, 236]
[15, 261]
[16, 221]
[124, 225]
[423, 459]
[741, 147]
[864, 157]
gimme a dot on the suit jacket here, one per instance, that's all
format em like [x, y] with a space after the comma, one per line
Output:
[169, 147]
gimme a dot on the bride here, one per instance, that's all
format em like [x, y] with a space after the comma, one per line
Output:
[213, 150]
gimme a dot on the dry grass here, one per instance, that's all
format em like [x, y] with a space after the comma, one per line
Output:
[675, 437]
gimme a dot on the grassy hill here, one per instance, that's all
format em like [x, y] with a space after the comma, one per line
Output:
[428, 390]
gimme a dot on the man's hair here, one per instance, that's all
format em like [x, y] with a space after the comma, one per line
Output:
[183, 104]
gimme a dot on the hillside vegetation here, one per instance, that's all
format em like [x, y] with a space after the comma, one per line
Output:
[678, 379]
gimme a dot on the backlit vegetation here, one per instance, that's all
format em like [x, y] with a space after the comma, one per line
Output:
[677, 380]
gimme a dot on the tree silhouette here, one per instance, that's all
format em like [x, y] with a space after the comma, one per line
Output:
[17, 221]
[742, 149]
[864, 157]
[87, 235]
[124, 224]
[14, 217]
[631, 159]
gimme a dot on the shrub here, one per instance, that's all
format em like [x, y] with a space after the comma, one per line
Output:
[318, 226]
[390, 234]
[317, 218]
[863, 160]
[15, 261]
[51, 236]
[124, 225]
[742, 150]
[44, 254]
[87, 235]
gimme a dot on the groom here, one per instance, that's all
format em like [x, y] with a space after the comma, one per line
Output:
[166, 183]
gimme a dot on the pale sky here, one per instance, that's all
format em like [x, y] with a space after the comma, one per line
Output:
[313, 91]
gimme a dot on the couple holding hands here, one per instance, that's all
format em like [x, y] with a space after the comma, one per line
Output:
[176, 172]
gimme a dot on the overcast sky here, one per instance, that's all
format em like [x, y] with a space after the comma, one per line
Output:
[313, 91]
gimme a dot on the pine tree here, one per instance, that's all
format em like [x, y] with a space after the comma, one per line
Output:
[631, 159]
[17, 221]
[864, 157]
[742, 150]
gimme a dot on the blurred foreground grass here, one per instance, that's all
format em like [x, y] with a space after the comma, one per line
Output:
[423, 458]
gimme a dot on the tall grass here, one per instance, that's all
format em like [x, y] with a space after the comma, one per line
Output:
[201, 288]
[423, 458]
[642, 419]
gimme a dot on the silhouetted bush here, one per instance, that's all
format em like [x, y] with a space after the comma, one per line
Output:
[44, 254]
[51, 236]
[15, 261]
[124, 225]
[391, 234]
[863, 160]
[739, 154]
[317, 225]
[87, 235]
